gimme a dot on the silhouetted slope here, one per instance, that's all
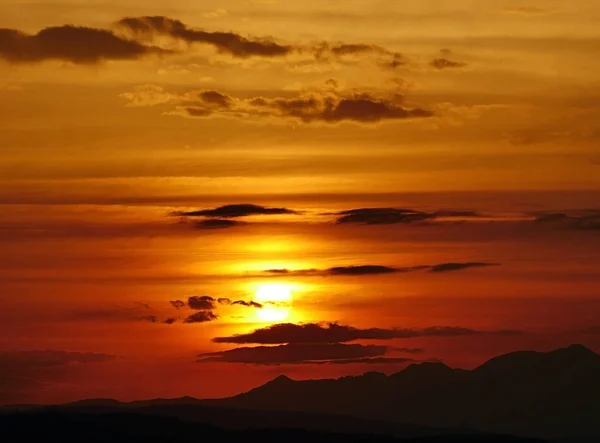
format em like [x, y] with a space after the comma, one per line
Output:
[133, 428]
[550, 394]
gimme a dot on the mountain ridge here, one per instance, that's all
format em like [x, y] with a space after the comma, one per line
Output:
[525, 393]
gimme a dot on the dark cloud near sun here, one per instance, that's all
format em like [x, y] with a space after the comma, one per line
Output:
[363, 270]
[178, 304]
[454, 267]
[249, 304]
[74, 44]
[389, 216]
[236, 211]
[201, 302]
[217, 223]
[295, 353]
[205, 306]
[150, 27]
[309, 333]
[339, 271]
[201, 317]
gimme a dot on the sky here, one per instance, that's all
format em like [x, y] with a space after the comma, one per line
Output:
[197, 197]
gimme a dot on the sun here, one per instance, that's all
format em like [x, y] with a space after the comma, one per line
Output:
[276, 300]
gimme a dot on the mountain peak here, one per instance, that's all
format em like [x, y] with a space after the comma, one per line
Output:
[428, 368]
[577, 349]
[281, 379]
[563, 357]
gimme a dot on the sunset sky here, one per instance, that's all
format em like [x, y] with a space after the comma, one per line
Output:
[200, 196]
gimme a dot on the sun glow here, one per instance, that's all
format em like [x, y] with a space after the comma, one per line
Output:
[276, 300]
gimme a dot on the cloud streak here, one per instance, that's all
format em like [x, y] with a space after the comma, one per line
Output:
[80, 45]
[364, 270]
[310, 333]
[454, 267]
[295, 353]
[316, 107]
[236, 211]
[150, 27]
[588, 220]
[390, 216]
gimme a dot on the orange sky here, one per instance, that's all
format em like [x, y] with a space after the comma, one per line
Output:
[474, 121]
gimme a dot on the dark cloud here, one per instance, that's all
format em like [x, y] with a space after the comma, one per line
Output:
[309, 333]
[235, 211]
[201, 303]
[327, 52]
[453, 267]
[224, 301]
[215, 98]
[362, 108]
[249, 304]
[586, 220]
[69, 43]
[170, 321]
[338, 271]
[444, 63]
[316, 107]
[201, 317]
[294, 353]
[361, 270]
[178, 304]
[382, 216]
[147, 28]
[352, 49]
[389, 216]
[149, 318]
[217, 223]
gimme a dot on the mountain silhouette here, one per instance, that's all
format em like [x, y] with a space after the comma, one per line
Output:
[535, 396]
[553, 394]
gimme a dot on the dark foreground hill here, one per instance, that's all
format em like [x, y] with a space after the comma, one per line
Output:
[127, 427]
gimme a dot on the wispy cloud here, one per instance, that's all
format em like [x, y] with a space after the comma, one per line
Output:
[316, 107]
[335, 333]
